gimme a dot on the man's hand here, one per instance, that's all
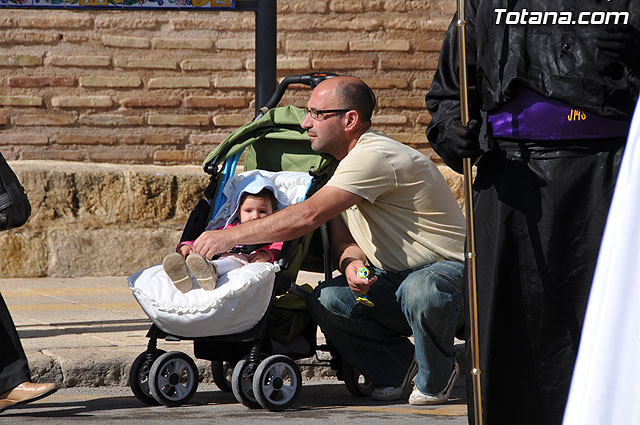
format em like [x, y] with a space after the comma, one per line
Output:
[462, 141]
[622, 44]
[260, 257]
[212, 242]
[358, 284]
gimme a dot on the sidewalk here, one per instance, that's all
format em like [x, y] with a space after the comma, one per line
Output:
[87, 331]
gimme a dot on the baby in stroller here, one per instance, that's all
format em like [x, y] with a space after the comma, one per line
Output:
[242, 295]
[256, 199]
[226, 321]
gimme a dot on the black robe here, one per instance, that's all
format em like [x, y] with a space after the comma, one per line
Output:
[14, 368]
[540, 206]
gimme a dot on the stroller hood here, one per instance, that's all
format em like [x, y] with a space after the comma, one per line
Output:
[253, 184]
[289, 187]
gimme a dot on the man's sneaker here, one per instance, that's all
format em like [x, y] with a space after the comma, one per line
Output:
[419, 398]
[176, 269]
[396, 393]
[206, 273]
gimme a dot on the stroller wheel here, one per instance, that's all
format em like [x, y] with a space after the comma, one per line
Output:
[173, 379]
[139, 376]
[241, 384]
[356, 382]
[222, 371]
[277, 382]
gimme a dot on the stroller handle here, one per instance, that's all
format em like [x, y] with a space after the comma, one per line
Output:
[311, 79]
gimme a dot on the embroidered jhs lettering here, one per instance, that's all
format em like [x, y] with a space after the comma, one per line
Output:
[576, 115]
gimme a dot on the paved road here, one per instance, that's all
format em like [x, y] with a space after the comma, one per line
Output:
[326, 402]
[84, 333]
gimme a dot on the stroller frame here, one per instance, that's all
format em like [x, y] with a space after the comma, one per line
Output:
[258, 379]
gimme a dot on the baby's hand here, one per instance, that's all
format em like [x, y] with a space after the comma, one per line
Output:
[260, 257]
[185, 250]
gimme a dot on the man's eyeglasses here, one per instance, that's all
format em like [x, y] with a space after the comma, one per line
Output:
[318, 114]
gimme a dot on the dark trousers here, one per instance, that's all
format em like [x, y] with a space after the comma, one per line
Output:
[540, 211]
[14, 368]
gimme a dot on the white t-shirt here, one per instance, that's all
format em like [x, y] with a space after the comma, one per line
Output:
[408, 217]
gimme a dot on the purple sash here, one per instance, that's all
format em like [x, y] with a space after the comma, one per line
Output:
[531, 116]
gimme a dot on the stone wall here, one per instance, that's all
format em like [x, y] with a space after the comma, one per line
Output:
[158, 87]
[98, 219]
[104, 219]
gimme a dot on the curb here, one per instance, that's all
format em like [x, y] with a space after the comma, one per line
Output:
[114, 371]
[90, 371]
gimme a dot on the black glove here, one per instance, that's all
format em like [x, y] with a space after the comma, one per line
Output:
[622, 44]
[461, 142]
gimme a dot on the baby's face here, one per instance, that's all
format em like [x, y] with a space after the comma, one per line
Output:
[253, 208]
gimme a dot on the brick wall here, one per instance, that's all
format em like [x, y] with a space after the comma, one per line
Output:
[150, 87]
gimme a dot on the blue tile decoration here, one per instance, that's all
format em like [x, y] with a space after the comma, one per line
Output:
[121, 4]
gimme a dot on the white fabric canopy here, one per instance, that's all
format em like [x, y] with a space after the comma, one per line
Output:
[605, 389]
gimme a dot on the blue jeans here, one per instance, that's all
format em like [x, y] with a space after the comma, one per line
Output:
[426, 302]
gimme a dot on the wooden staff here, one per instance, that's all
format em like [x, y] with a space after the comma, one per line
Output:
[472, 286]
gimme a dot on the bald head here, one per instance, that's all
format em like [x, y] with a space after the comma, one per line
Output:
[346, 104]
[351, 93]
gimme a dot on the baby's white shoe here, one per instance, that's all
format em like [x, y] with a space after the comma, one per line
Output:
[206, 273]
[176, 268]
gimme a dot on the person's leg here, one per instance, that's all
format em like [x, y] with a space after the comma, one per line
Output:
[229, 262]
[432, 301]
[372, 339]
[207, 272]
[14, 368]
[16, 387]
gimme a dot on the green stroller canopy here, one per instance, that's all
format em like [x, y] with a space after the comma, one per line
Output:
[273, 142]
